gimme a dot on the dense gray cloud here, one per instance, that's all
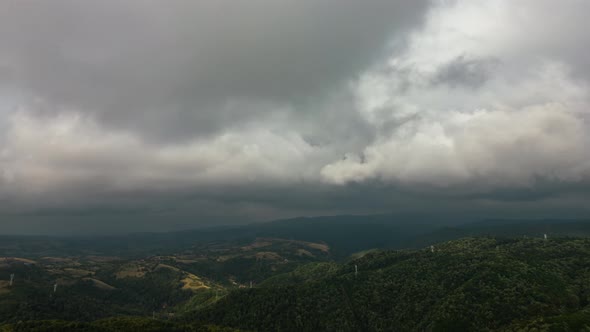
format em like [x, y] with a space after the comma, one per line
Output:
[466, 72]
[168, 114]
[185, 68]
[469, 113]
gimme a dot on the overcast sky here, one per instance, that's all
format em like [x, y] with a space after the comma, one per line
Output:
[135, 115]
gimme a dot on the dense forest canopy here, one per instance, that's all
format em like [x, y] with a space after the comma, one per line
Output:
[483, 282]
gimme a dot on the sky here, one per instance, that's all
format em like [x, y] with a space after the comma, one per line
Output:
[150, 115]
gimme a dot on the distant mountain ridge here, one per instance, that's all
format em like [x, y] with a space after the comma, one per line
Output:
[345, 234]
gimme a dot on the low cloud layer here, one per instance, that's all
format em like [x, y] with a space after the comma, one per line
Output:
[171, 115]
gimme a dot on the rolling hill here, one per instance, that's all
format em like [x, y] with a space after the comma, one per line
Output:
[473, 284]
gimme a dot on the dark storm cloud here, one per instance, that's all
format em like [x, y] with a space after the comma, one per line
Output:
[190, 210]
[465, 71]
[166, 114]
[186, 68]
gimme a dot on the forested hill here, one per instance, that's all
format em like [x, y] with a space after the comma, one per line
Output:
[471, 284]
[474, 284]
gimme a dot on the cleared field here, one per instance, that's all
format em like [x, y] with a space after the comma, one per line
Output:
[303, 252]
[192, 282]
[16, 259]
[268, 255]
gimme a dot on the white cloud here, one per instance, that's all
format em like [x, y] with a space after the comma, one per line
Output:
[522, 121]
[43, 155]
[482, 149]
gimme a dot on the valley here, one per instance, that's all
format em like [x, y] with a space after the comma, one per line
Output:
[240, 278]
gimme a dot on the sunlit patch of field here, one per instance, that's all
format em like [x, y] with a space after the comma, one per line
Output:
[268, 255]
[131, 271]
[303, 252]
[16, 259]
[192, 282]
[225, 258]
[319, 246]
[189, 282]
[53, 271]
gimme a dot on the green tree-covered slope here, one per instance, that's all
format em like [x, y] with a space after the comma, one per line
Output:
[475, 284]
[118, 324]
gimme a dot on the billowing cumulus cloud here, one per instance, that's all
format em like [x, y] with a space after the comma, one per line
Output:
[181, 112]
[467, 106]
